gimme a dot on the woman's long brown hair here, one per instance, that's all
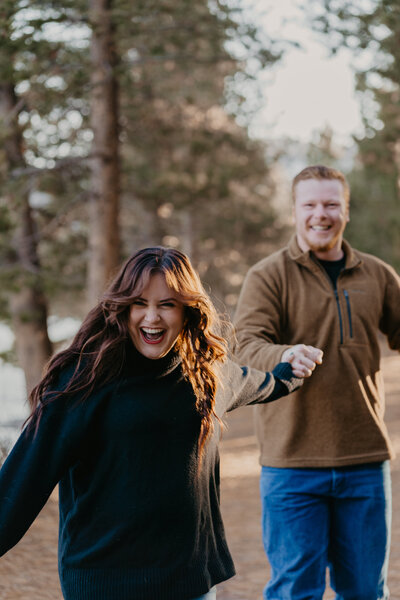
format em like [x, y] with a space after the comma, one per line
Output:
[97, 352]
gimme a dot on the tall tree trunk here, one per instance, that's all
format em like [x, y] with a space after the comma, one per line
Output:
[104, 235]
[28, 306]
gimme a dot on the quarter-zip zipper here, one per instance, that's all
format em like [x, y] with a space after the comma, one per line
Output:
[347, 298]
[346, 295]
[340, 315]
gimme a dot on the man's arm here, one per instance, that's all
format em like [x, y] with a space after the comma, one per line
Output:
[390, 321]
[258, 323]
[259, 320]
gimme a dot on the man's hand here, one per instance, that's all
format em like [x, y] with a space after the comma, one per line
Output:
[303, 359]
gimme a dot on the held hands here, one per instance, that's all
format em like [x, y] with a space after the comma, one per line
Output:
[303, 359]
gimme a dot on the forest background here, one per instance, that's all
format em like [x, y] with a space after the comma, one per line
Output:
[127, 124]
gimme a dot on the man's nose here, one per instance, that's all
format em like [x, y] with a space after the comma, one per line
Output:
[320, 210]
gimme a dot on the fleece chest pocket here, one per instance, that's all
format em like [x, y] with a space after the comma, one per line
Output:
[359, 311]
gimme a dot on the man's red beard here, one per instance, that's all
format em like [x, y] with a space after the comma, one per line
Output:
[322, 247]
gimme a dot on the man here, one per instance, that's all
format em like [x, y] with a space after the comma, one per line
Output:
[325, 481]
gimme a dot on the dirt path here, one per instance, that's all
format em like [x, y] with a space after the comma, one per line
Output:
[29, 571]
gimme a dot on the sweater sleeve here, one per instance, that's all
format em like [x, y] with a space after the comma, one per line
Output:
[36, 464]
[245, 386]
[258, 321]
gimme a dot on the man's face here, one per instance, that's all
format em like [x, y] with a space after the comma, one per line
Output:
[320, 214]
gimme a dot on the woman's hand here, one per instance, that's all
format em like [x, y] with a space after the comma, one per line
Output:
[303, 359]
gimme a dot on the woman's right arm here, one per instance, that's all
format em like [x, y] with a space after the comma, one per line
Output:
[36, 464]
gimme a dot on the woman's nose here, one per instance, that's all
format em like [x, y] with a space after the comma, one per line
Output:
[152, 315]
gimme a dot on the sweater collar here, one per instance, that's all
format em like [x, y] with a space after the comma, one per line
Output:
[305, 258]
[137, 365]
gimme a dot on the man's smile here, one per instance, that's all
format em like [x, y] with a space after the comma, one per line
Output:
[320, 227]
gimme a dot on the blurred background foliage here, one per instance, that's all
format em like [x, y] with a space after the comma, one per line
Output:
[371, 30]
[139, 110]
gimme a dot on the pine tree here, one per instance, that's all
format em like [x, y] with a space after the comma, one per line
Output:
[26, 301]
[156, 87]
[192, 176]
[372, 31]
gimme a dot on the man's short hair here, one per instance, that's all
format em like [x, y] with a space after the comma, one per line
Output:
[321, 172]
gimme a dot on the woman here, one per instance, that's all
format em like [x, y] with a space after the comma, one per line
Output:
[127, 421]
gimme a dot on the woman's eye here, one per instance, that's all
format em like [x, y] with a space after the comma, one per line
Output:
[168, 305]
[138, 302]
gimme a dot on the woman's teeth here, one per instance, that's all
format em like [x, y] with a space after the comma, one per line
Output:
[152, 334]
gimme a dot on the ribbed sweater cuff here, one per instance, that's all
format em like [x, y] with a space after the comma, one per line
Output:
[283, 371]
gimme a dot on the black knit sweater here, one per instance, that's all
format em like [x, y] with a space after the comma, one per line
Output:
[136, 520]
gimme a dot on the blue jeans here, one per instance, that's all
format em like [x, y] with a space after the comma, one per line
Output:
[335, 517]
[211, 595]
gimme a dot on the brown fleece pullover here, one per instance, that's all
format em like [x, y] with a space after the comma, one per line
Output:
[336, 418]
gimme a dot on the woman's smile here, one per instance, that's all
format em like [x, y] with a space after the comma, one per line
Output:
[152, 335]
